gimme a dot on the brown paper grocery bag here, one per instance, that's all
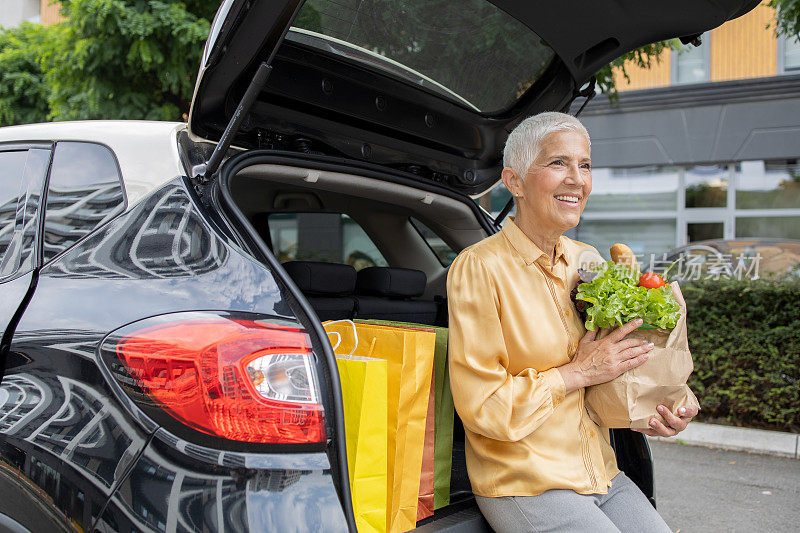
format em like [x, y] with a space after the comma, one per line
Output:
[630, 400]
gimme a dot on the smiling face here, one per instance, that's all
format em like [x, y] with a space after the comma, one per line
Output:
[553, 194]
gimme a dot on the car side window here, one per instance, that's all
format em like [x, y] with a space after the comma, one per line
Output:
[444, 253]
[327, 237]
[84, 192]
[12, 167]
[22, 175]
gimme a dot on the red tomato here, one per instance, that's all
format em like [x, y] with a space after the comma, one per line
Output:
[651, 280]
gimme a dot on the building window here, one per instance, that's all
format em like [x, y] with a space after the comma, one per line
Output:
[701, 231]
[644, 236]
[706, 186]
[668, 207]
[651, 188]
[768, 227]
[768, 184]
[691, 64]
[789, 54]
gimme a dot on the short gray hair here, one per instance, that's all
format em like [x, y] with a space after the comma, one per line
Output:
[524, 142]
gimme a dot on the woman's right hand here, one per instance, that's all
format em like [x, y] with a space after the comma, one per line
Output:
[600, 361]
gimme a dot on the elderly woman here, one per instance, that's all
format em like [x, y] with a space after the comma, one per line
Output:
[520, 356]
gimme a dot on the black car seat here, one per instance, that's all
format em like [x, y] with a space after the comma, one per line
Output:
[327, 286]
[389, 294]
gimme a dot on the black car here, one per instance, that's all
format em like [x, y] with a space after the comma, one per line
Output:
[164, 367]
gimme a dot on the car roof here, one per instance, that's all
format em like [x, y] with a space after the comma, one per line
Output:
[147, 151]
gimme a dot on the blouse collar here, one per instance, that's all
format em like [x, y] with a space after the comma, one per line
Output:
[526, 248]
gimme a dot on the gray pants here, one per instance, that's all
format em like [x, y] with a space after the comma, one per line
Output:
[624, 508]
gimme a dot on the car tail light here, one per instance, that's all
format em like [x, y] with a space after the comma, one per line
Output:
[239, 379]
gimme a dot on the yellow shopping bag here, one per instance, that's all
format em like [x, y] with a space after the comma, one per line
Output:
[409, 353]
[364, 383]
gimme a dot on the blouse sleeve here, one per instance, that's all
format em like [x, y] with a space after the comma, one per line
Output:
[491, 401]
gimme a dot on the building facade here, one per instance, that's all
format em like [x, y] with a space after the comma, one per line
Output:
[704, 145]
[15, 12]
[681, 164]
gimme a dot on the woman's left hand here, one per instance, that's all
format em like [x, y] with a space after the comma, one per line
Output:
[675, 423]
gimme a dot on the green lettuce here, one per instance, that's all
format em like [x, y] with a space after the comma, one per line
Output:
[616, 299]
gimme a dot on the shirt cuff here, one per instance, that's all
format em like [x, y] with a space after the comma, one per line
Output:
[556, 383]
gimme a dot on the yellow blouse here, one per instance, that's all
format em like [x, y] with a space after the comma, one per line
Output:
[511, 323]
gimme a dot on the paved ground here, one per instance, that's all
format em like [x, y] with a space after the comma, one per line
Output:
[702, 489]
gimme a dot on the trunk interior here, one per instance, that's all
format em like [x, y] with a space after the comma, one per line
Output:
[307, 217]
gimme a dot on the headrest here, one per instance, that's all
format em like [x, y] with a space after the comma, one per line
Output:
[324, 279]
[391, 282]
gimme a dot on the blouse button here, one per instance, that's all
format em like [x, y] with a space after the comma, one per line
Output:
[568, 313]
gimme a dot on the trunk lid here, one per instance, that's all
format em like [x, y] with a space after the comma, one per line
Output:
[430, 87]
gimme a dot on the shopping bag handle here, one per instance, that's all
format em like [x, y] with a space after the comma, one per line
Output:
[339, 336]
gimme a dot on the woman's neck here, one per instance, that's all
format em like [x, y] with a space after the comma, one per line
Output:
[545, 240]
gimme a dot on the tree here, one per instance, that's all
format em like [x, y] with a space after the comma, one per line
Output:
[23, 90]
[643, 57]
[108, 59]
[126, 59]
[788, 22]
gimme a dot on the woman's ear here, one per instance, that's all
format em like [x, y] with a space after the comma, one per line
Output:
[512, 181]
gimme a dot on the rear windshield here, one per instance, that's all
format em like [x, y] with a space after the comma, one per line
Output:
[466, 50]
[326, 237]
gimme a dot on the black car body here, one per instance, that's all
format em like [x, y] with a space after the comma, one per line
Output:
[121, 243]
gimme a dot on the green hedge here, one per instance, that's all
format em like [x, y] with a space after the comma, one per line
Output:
[745, 340]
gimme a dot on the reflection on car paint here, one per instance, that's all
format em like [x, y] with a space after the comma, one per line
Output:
[73, 422]
[39, 481]
[224, 494]
[13, 294]
[73, 439]
[163, 237]
[172, 263]
[71, 443]
[74, 213]
[18, 240]
[21, 398]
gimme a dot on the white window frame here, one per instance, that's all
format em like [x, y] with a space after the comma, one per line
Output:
[781, 59]
[684, 216]
[705, 41]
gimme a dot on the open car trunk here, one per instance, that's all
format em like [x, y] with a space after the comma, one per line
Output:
[334, 214]
[321, 210]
